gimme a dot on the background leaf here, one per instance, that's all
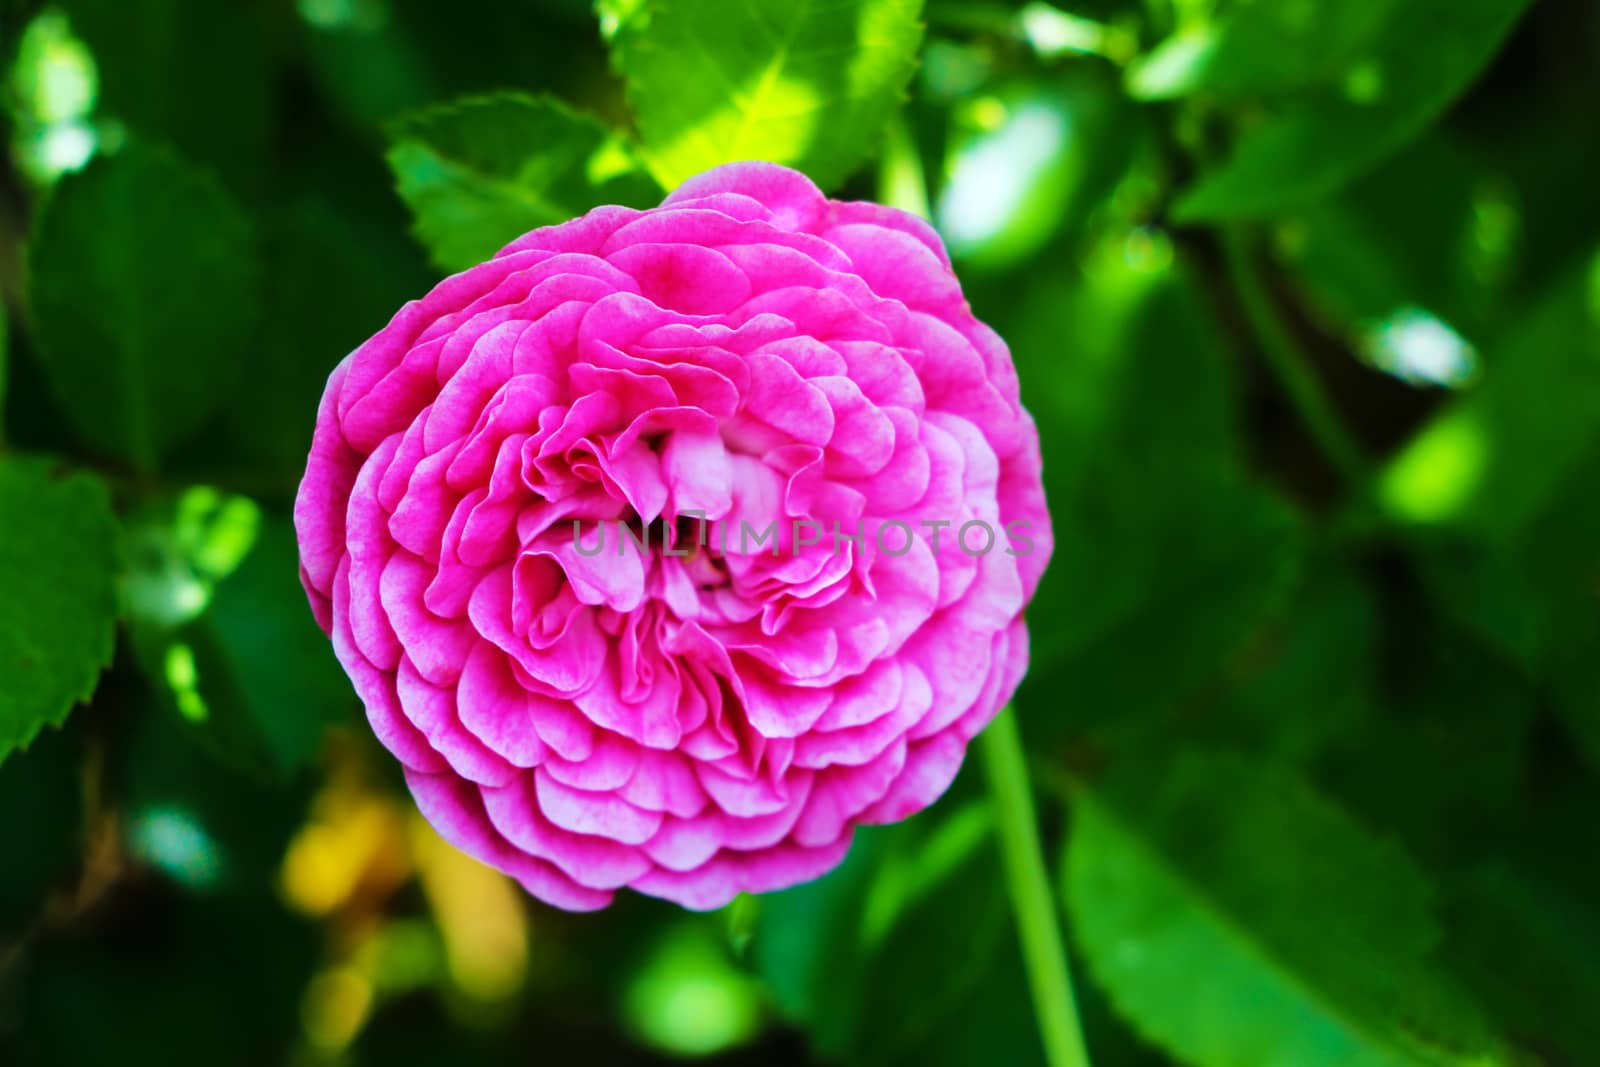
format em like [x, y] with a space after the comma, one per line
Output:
[1254, 47]
[144, 277]
[1163, 521]
[485, 170]
[1428, 54]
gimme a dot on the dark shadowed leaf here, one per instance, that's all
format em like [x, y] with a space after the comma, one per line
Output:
[1310, 676]
[334, 277]
[41, 801]
[1526, 939]
[5, 358]
[58, 610]
[1383, 771]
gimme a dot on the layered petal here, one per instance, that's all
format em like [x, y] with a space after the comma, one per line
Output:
[669, 546]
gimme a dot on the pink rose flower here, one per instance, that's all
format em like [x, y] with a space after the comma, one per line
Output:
[701, 716]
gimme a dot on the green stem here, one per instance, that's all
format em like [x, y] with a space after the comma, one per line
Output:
[1290, 365]
[1033, 902]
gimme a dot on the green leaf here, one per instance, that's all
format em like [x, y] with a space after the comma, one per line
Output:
[58, 568]
[144, 299]
[483, 171]
[807, 83]
[1259, 47]
[1235, 916]
[283, 668]
[312, 246]
[1429, 53]
[1136, 409]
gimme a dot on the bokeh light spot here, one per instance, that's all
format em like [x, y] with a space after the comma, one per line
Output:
[1418, 347]
[480, 915]
[183, 678]
[998, 174]
[1435, 476]
[364, 16]
[335, 1006]
[1363, 83]
[688, 999]
[174, 842]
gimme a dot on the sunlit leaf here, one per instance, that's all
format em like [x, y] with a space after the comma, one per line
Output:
[808, 83]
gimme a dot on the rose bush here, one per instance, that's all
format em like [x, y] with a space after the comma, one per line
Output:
[690, 720]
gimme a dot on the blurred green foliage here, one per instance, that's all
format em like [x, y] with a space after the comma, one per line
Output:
[1304, 296]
